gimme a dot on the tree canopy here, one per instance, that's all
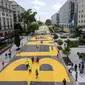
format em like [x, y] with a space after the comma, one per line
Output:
[48, 22]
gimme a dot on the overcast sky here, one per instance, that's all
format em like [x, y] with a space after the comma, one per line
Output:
[44, 8]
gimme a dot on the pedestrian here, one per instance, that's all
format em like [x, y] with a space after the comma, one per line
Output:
[30, 69]
[75, 67]
[76, 76]
[37, 60]
[79, 66]
[64, 82]
[5, 55]
[3, 63]
[51, 47]
[32, 59]
[36, 72]
[9, 55]
[41, 41]
[27, 63]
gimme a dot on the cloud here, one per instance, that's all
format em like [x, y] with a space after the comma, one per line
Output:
[36, 7]
[57, 6]
[42, 13]
[37, 2]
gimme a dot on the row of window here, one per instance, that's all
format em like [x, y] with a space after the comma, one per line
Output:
[4, 22]
[6, 14]
[82, 16]
[81, 11]
[81, 21]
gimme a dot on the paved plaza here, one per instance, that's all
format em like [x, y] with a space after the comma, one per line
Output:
[51, 70]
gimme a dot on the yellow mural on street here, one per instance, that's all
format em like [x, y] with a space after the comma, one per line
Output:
[57, 75]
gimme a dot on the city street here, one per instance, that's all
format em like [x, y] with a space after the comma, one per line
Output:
[51, 70]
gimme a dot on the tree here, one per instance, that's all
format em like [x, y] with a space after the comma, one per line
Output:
[48, 22]
[40, 23]
[28, 17]
[34, 26]
[60, 42]
[66, 50]
[17, 40]
[18, 28]
[78, 31]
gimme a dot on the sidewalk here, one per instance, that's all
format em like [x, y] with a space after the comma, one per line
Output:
[75, 60]
[13, 51]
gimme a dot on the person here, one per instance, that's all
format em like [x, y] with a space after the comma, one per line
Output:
[9, 54]
[51, 47]
[37, 60]
[75, 67]
[64, 82]
[36, 72]
[5, 55]
[30, 69]
[3, 63]
[76, 76]
[32, 59]
[27, 63]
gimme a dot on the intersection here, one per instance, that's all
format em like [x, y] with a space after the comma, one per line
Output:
[50, 69]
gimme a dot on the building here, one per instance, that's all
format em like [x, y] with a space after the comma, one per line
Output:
[67, 14]
[81, 13]
[6, 17]
[55, 18]
[17, 9]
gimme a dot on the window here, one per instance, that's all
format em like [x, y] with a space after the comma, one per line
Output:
[81, 16]
[4, 23]
[81, 21]
[82, 10]
[0, 23]
[84, 21]
[8, 22]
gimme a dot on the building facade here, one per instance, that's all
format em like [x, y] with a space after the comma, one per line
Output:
[55, 18]
[67, 13]
[81, 13]
[6, 17]
[17, 10]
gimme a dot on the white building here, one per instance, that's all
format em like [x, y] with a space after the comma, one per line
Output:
[17, 9]
[6, 17]
[55, 19]
[81, 13]
[67, 13]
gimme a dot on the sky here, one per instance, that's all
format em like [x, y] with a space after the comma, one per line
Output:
[44, 8]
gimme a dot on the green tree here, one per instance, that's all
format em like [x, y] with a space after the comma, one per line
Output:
[48, 22]
[17, 40]
[40, 23]
[60, 42]
[28, 17]
[78, 31]
[34, 26]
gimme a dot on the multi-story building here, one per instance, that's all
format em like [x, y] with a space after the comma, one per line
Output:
[17, 9]
[67, 13]
[55, 18]
[6, 17]
[81, 13]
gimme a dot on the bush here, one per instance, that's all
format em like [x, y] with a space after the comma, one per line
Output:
[60, 42]
[66, 51]
[82, 55]
[72, 43]
[55, 36]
